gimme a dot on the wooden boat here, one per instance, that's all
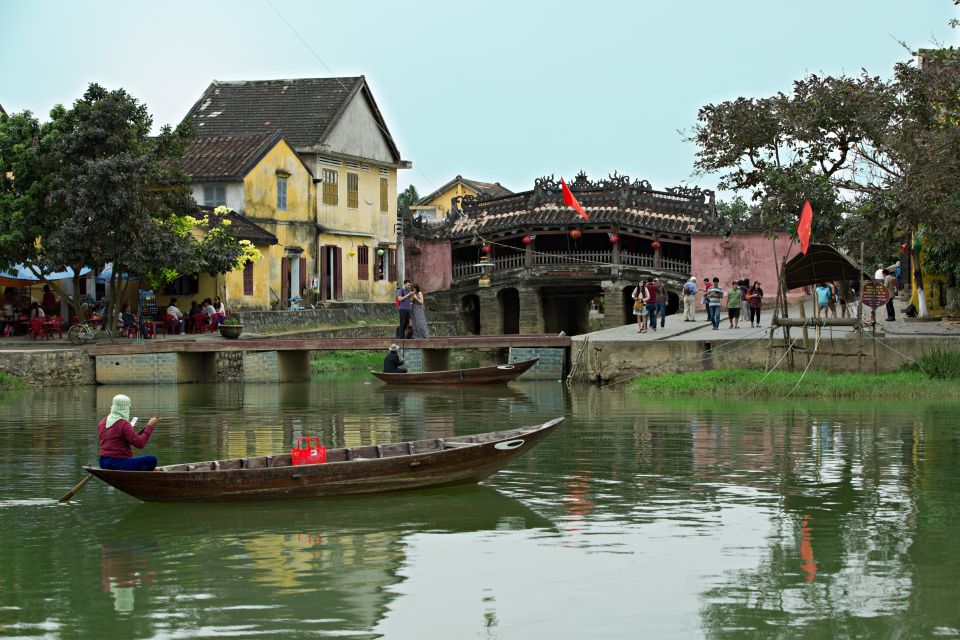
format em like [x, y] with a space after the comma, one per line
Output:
[400, 466]
[497, 374]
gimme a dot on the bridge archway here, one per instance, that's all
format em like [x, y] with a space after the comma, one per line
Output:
[673, 303]
[470, 313]
[627, 299]
[509, 301]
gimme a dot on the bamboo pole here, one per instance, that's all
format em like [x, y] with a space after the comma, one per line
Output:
[860, 314]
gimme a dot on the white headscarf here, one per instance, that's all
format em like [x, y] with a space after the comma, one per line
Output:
[119, 410]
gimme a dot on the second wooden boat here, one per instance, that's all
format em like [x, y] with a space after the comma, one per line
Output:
[497, 374]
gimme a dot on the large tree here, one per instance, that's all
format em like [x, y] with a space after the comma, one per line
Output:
[879, 159]
[92, 187]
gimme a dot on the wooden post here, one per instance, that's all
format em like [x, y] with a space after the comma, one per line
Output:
[776, 306]
[806, 335]
[860, 315]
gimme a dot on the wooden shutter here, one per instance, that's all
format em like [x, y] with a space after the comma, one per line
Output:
[363, 262]
[383, 195]
[303, 278]
[391, 273]
[285, 282]
[338, 273]
[248, 278]
[324, 265]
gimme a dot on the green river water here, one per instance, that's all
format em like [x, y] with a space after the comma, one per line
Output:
[638, 518]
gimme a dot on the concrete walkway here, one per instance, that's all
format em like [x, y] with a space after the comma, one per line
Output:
[676, 329]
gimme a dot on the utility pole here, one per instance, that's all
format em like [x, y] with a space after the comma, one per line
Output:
[400, 258]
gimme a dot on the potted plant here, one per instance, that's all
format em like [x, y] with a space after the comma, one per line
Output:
[231, 327]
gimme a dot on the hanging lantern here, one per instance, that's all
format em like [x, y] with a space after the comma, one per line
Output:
[485, 248]
[351, 253]
[575, 234]
[655, 244]
[527, 239]
[484, 280]
[379, 252]
[614, 238]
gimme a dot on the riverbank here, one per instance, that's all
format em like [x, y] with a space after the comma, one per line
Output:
[8, 381]
[754, 383]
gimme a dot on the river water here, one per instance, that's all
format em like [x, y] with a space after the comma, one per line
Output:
[638, 518]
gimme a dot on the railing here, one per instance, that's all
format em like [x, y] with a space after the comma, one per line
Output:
[571, 258]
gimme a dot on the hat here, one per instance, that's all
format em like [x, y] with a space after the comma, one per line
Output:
[394, 347]
[119, 410]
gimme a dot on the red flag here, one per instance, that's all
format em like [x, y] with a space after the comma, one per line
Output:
[803, 228]
[570, 201]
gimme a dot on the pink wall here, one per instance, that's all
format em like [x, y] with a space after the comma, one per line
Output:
[741, 256]
[429, 264]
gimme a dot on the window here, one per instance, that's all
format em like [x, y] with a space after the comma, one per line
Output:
[383, 195]
[353, 190]
[282, 194]
[330, 180]
[248, 278]
[363, 262]
[214, 196]
[183, 286]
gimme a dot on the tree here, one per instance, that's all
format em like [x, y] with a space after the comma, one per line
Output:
[734, 212]
[878, 159]
[218, 250]
[92, 187]
[407, 198]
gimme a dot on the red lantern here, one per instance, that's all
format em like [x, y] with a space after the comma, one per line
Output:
[614, 238]
[527, 239]
[575, 234]
[655, 244]
[485, 248]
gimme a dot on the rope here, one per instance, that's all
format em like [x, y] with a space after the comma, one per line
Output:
[809, 362]
[772, 369]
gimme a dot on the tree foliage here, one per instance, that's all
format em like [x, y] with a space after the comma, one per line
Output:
[407, 198]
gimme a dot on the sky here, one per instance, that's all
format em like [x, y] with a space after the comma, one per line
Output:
[495, 91]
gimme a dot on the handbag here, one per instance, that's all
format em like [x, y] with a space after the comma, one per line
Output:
[638, 306]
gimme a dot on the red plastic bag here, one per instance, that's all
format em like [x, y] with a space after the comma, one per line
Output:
[398, 301]
[308, 451]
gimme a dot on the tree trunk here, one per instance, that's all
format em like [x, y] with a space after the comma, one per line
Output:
[922, 310]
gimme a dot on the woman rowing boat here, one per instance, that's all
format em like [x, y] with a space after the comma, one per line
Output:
[117, 437]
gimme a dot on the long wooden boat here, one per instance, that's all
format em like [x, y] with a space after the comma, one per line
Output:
[400, 466]
[496, 374]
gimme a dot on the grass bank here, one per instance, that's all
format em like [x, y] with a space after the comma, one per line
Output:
[8, 381]
[751, 383]
[346, 362]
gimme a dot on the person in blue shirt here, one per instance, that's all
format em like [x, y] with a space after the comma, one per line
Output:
[403, 305]
[824, 297]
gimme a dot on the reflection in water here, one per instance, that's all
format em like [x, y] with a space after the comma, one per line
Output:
[653, 517]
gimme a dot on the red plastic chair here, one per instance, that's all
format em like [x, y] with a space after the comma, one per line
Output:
[170, 324]
[200, 324]
[37, 328]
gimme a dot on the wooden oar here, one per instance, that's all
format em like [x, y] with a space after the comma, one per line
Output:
[69, 494]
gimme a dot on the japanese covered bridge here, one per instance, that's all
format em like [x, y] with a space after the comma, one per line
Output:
[527, 263]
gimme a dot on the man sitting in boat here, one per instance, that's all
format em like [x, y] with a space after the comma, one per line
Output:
[117, 435]
[393, 363]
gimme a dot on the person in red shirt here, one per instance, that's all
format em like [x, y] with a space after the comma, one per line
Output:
[117, 437]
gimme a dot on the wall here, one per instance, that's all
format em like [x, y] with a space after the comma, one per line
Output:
[442, 201]
[550, 366]
[429, 264]
[53, 368]
[741, 256]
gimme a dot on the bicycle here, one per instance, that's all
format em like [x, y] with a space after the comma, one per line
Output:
[83, 332]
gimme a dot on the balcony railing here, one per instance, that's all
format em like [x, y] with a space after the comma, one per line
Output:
[570, 258]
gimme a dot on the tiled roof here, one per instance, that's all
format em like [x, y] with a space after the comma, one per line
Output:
[634, 208]
[304, 109]
[485, 189]
[226, 157]
[245, 229]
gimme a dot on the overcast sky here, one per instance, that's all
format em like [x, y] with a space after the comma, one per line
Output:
[495, 91]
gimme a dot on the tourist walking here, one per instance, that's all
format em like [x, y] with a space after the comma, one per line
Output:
[661, 301]
[734, 295]
[891, 285]
[639, 296]
[823, 295]
[690, 300]
[403, 306]
[651, 305]
[705, 299]
[117, 437]
[755, 303]
[714, 301]
[418, 318]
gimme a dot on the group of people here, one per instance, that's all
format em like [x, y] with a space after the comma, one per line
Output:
[413, 319]
[650, 302]
[207, 313]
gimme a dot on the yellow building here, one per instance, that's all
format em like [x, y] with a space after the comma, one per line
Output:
[436, 206]
[271, 193]
[337, 130]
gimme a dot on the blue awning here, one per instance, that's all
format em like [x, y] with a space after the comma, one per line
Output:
[21, 276]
